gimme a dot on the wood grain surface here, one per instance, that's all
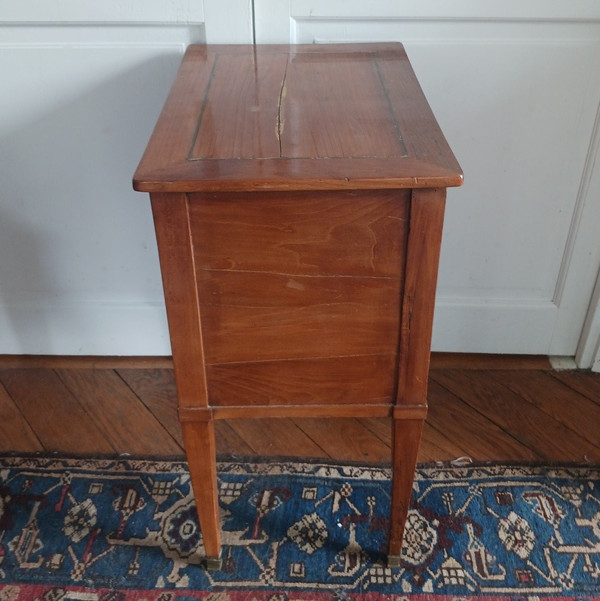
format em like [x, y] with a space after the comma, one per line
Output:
[171, 221]
[266, 317]
[32, 397]
[343, 380]
[330, 233]
[256, 285]
[296, 118]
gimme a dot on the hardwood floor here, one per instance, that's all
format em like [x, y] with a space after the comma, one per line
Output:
[485, 408]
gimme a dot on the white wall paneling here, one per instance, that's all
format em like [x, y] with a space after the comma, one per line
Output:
[83, 83]
[514, 84]
[516, 88]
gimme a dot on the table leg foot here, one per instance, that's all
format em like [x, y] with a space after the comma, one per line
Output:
[199, 439]
[393, 561]
[213, 564]
[406, 434]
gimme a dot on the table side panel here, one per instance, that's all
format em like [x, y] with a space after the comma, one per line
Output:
[358, 380]
[302, 233]
[300, 292]
[267, 316]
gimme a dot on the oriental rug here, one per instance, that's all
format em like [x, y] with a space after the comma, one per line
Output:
[125, 529]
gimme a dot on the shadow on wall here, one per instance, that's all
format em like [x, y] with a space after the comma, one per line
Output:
[74, 237]
[25, 250]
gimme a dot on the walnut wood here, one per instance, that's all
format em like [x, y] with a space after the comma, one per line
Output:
[367, 379]
[586, 384]
[406, 436]
[298, 198]
[199, 439]
[156, 390]
[267, 317]
[84, 362]
[348, 439]
[488, 361]
[191, 148]
[437, 444]
[190, 414]
[181, 296]
[283, 437]
[425, 237]
[438, 361]
[434, 445]
[465, 434]
[302, 233]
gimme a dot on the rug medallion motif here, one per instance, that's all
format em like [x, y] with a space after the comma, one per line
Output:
[112, 530]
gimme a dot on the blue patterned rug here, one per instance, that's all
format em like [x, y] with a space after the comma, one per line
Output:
[120, 530]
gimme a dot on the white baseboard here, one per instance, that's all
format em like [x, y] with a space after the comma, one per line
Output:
[505, 327]
[84, 328]
[140, 328]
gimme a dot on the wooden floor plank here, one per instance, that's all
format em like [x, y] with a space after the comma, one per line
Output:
[548, 438]
[276, 437]
[564, 404]
[15, 433]
[436, 446]
[381, 427]
[54, 414]
[586, 383]
[156, 389]
[513, 410]
[457, 420]
[229, 442]
[345, 439]
[123, 419]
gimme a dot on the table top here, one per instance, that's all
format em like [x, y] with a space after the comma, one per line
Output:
[318, 117]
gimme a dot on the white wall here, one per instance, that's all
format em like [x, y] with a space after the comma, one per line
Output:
[83, 83]
[515, 85]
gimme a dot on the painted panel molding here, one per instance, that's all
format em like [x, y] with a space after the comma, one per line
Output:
[79, 271]
[516, 88]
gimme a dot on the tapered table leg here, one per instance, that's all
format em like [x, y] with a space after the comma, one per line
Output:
[199, 440]
[406, 436]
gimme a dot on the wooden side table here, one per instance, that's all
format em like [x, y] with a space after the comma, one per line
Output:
[298, 196]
